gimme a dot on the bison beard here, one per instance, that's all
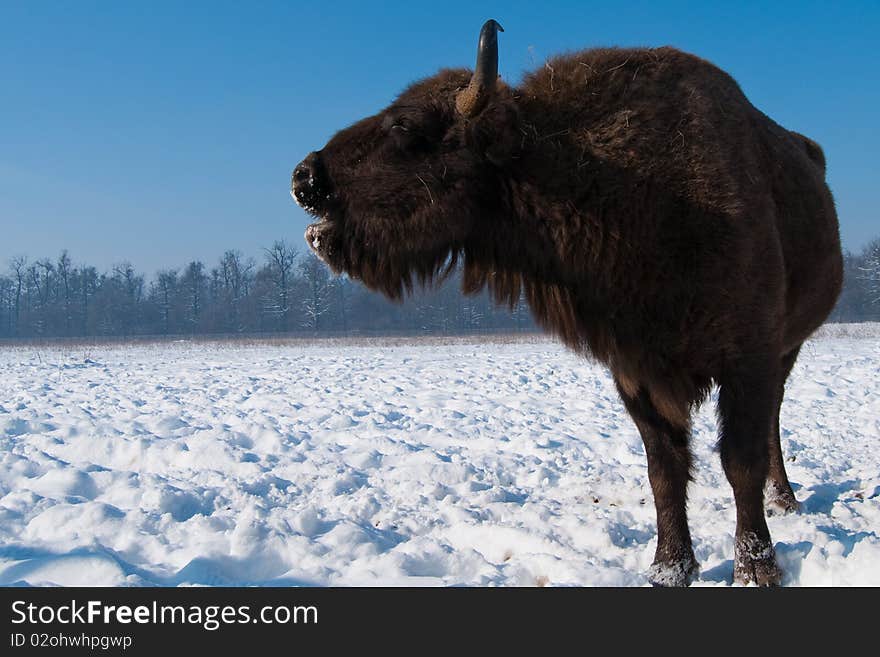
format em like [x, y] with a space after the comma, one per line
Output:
[654, 220]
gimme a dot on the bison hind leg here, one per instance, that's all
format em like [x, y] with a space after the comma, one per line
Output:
[747, 401]
[779, 498]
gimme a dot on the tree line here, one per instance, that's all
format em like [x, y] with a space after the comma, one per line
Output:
[285, 292]
[860, 299]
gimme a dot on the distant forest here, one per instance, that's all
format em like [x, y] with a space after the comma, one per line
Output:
[285, 292]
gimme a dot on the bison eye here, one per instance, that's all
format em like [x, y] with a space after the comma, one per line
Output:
[406, 138]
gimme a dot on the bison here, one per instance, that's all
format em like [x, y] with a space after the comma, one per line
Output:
[654, 219]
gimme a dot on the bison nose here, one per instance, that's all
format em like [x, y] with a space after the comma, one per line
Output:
[307, 183]
[301, 176]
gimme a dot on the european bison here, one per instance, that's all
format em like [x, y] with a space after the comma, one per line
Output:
[654, 219]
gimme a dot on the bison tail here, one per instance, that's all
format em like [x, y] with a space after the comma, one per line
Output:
[814, 151]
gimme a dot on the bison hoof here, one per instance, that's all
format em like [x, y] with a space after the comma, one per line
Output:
[680, 572]
[779, 500]
[754, 562]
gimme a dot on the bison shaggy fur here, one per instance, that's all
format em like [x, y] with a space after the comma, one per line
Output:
[653, 218]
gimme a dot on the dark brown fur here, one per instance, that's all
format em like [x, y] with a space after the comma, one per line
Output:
[653, 217]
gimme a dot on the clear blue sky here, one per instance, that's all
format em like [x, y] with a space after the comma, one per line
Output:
[157, 132]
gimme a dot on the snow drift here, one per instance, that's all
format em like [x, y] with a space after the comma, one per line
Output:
[473, 463]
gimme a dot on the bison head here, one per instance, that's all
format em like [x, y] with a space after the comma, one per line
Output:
[399, 195]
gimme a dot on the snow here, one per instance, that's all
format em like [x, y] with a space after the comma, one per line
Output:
[465, 462]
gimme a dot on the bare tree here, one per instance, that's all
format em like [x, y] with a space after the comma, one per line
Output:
[132, 287]
[318, 290]
[281, 258]
[234, 276]
[6, 305]
[45, 269]
[342, 287]
[193, 282]
[520, 311]
[871, 271]
[18, 265]
[166, 286]
[37, 287]
[471, 313]
[63, 268]
[88, 284]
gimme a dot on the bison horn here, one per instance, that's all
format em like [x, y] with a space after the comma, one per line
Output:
[472, 99]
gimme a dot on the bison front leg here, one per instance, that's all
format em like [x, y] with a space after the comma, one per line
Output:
[746, 406]
[669, 462]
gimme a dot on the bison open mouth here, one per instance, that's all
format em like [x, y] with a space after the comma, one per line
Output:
[319, 234]
[319, 237]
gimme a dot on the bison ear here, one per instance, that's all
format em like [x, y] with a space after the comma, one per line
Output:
[495, 134]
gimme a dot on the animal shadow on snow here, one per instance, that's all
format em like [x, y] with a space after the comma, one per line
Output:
[825, 495]
[792, 555]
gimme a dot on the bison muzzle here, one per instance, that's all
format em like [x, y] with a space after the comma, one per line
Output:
[652, 217]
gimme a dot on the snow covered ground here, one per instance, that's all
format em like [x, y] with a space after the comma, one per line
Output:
[469, 463]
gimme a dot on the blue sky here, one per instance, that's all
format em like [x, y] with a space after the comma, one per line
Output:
[157, 132]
